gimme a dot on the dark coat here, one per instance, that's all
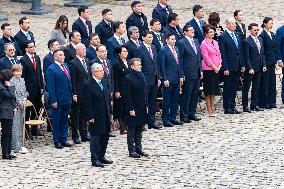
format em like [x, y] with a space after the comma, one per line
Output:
[47, 61]
[7, 101]
[91, 53]
[69, 53]
[21, 39]
[79, 26]
[158, 44]
[5, 40]
[242, 35]
[135, 20]
[111, 44]
[269, 46]
[198, 33]
[96, 105]
[134, 96]
[172, 30]
[5, 63]
[104, 31]
[131, 47]
[161, 14]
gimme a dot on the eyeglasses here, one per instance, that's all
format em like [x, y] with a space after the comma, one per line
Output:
[256, 30]
[10, 50]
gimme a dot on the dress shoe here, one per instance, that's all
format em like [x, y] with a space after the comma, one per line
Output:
[98, 164]
[12, 156]
[144, 128]
[185, 120]
[176, 122]
[154, 126]
[236, 111]
[256, 108]
[246, 109]
[111, 134]
[106, 161]
[134, 155]
[267, 107]
[141, 153]
[7, 157]
[58, 146]
[85, 139]
[66, 144]
[77, 141]
[273, 106]
[193, 118]
[168, 124]
[228, 111]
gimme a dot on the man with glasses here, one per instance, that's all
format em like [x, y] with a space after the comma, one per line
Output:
[9, 59]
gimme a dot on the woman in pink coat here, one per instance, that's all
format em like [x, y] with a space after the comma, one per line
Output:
[211, 65]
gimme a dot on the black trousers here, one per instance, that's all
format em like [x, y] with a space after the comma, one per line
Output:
[77, 121]
[151, 102]
[134, 138]
[255, 80]
[6, 136]
[231, 84]
[267, 95]
[98, 146]
[30, 113]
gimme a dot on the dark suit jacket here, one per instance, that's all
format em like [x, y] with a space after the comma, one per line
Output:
[91, 53]
[150, 67]
[161, 14]
[169, 29]
[79, 26]
[135, 98]
[131, 47]
[253, 59]
[33, 80]
[156, 41]
[191, 62]
[7, 101]
[47, 61]
[232, 57]
[135, 20]
[170, 69]
[69, 53]
[119, 72]
[96, 105]
[280, 43]
[21, 39]
[79, 76]
[5, 63]
[242, 35]
[198, 33]
[104, 31]
[269, 45]
[5, 40]
[111, 44]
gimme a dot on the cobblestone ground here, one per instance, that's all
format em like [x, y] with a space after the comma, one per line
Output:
[229, 151]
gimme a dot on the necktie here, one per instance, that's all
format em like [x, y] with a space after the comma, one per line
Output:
[193, 46]
[29, 36]
[201, 24]
[175, 54]
[120, 41]
[177, 31]
[257, 44]
[101, 85]
[87, 28]
[150, 51]
[85, 66]
[13, 61]
[142, 21]
[235, 39]
[105, 67]
[34, 62]
[137, 43]
[65, 71]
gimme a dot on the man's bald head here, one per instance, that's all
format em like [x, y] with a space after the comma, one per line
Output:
[231, 24]
[80, 50]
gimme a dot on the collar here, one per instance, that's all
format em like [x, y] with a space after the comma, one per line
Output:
[134, 40]
[58, 63]
[101, 60]
[163, 6]
[94, 47]
[171, 47]
[230, 32]
[157, 33]
[81, 59]
[73, 45]
[116, 37]
[189, 39]
[30, 55]
[96, 79]
[107, 22]
[146, 45]
[83, 20]
[197, 20]
[25, 32]
[9, 57]
[254, 38]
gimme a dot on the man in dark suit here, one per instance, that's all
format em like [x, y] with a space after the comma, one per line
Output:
[255, 64]
[148, 55]
[137, 18]
[173, 26]
[161, 12]
[172, 79]
[24, 34]
[240, 27]
[158, 35]
[83, 25]
[80, 72]
[9, 60]
[197, 22]
[70, 50]
[105, 28]
[95, 41]
[32, 73]
[233, 63]
[190, 58]
[7, 38]
[133, 43]
[134, 95]
[116, 40]
[49, 58]
[58, 82]
[97, 110]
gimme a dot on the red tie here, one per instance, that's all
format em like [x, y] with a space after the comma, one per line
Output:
[34, 62]
[65, 71]
[175, 54]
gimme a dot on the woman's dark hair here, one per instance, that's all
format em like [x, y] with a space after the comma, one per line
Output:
[214, 19]
[265, 21]
[207, 27]
[60, 20]
[118, 49]
[5, 75]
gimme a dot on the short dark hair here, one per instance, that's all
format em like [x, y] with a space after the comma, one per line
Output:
[265, 21]
[145, 33]
[101, 45]
[236, 12]
[50, 43]
[196, 8]
[82, 8]
[168, 35]
[92, 35]
[56, 51]
[118, 49]
[106, 11]
[251, 25]
[4, 25]
[26, 45]
[134, 3]
[6, 75]
[172, 16]
[214, 19]
[116, 25]
[21, 21]
[153, 21]
[185, 28]
[207, 27]
[133, 60]
[72, 34]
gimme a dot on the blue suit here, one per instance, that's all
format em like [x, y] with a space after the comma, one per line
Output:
[60, 91]
[21, 39]
[5, 63]
[198, 33]
[280, 52]
[192, 71]
[91, 53]
[161, 14]
[47, 61]
[111, 44]
[79, 26]
[172, 30]
[171, 71]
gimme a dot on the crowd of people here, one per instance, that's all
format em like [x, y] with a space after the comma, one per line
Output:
[98, 76]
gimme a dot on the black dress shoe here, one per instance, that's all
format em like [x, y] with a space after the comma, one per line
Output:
[144, 128]
[106, 161]
[6, 157]
[154, 126]
[143, 154]
[273, 106]
[134, 155]
[236, 111]
[111, 134]
[193, 118]
[98, 164]
[77, 141]
[256, 108]
[267, 107]
[246, 109]
[185, 120]
[168, 124]
[228, 111]
[12, 156]
[58, 146]
[85, 139]
[176, 122]
[66, 144]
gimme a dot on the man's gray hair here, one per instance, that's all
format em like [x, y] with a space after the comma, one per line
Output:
[7, 45]
[132, 29]
[230, 20]
[96, 66]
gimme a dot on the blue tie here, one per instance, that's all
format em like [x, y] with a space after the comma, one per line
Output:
[29, 36]
[235, 40]
[201, 24]
[101, 85]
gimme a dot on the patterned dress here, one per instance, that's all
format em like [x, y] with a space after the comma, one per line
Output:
[18, 122]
